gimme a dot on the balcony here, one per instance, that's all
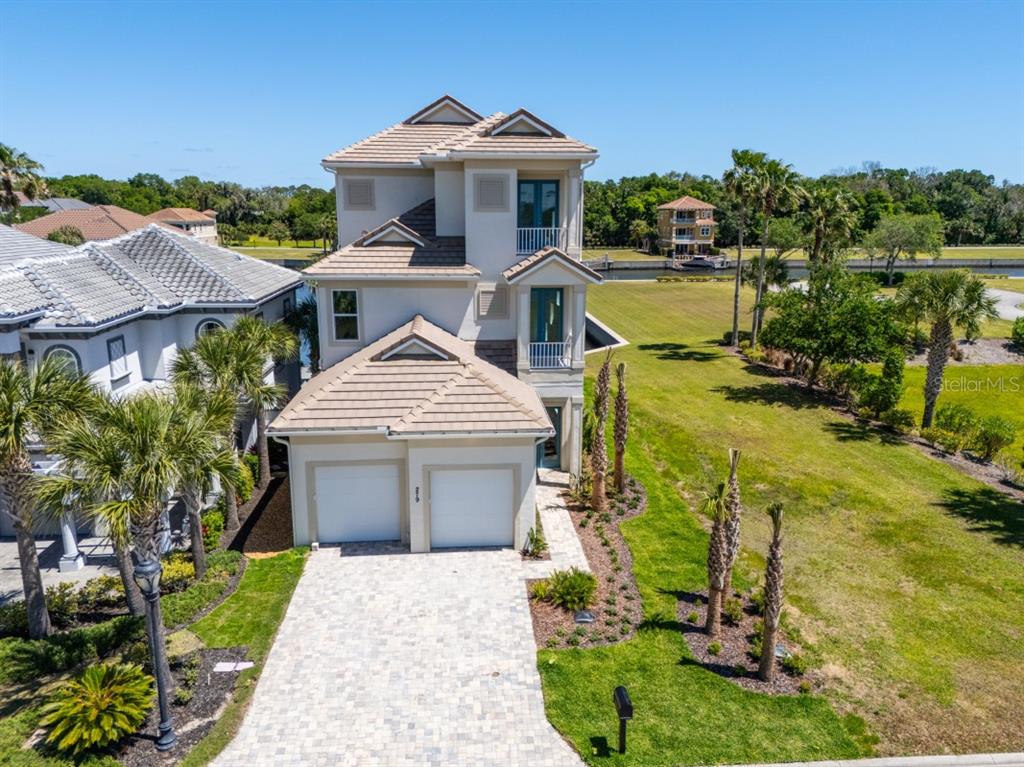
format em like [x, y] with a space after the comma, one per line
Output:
[551, 355]
[531, 239]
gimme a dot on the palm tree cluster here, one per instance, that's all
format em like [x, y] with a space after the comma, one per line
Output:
[19, 173]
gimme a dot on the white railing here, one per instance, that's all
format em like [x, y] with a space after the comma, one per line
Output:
[549, 355]
[531, 239]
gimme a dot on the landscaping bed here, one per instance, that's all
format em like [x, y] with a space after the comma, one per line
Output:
[617, 607]
[730, 655]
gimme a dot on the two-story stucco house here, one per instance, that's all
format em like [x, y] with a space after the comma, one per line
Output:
[451, 332]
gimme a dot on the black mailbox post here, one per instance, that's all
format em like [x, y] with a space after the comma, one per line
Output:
[624, 708]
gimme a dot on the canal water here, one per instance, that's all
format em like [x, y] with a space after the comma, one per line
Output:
[795, 273]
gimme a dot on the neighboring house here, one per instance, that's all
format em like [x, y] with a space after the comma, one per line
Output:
[686, 227]
[452, 331]
[119, 310]
[52, 204]
[97, 222]
[199, 225]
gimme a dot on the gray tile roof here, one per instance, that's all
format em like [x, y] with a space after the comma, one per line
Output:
[146, 270]
[15, 245]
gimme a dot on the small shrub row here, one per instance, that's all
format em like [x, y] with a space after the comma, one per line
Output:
[1017, 333]
[571, 589]
[183, 606]
[957, 427]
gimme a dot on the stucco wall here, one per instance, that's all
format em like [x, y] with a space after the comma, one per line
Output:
[450, 200]
[395, 192]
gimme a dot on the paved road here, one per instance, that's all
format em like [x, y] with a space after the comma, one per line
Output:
[395, 659]
[1009, 301]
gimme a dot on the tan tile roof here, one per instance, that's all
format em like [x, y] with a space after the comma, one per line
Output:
[452, 391]
[181, 214]
[100, 222]
[520, 268]
[439, 256]
[687, 203]
[706, 221]
[406, 144]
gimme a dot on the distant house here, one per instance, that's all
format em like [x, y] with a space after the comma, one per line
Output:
[52, 204]
[120, 310]
[97, 222]
[200, 225]
[686, 227]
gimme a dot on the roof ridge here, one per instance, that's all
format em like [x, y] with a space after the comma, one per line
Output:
[203, 266]
[467, 132]
[420, 407]
[48, 288]
[112, 265]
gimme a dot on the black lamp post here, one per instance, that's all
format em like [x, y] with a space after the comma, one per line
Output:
[624, 708]
[147, 575]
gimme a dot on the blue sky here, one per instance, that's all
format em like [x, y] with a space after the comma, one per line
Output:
[259, 92]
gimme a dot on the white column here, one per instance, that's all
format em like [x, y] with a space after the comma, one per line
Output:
[523, 334]
[574, 219]
[72, 558]
[579, 324]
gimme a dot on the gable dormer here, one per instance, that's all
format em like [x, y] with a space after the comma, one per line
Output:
[444, 111]
[524, 123]
[392, 232]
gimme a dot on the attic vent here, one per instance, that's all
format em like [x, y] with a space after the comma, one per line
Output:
[358, 193]
[491, 193]
[492, 303]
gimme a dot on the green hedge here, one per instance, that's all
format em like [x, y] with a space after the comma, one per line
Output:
[185, 605]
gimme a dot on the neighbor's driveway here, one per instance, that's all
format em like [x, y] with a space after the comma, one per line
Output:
[397, 659]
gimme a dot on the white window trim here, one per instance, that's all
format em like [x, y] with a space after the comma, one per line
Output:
[502, 207]
[115, 373]
[346, 195]
[57, 348]
[208, 321]
[358, 315]
[705, 231]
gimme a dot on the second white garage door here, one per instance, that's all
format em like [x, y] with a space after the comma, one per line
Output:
[471, 507]
[360, 502]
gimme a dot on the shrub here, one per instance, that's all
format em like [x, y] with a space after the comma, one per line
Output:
[948, 441]
[880, 393]
[732, 611]
[101, 706]
[714, 648]
[62, 604]
[795, 664]
[956, 418]
[805, 687]
[540, 590]
[13, 619]
[992, 435]
[100, 592]
[572, 589]
[252, 461]
[246, 483]
[213, 525]
[691, 617]
[535, 543]
[182, 607]
[899, 419]
[755, 645]
[844, 381]
[178, 572]
[1017, 333]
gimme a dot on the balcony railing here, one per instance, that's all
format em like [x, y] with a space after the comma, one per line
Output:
[550, 355]
[531, 239]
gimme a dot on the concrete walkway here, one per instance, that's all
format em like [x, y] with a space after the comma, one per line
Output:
[968, 760]
[1009, 302]
[395, 659]
[99, 557]
[563, 544]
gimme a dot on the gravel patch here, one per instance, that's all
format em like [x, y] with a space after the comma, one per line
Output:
[984, 351]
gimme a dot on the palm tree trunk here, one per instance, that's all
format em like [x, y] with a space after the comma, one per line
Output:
[938, 353]
[713, 622]
[14, 484]
[773, 578]
[136, 604]
[193, 506]
[231, 523]
[262, 448]
[732, 526]
[816, 248]
[756, 323]
[736, 291]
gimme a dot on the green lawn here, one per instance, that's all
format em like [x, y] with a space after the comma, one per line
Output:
[267, 252]
[904, 577]
[620, 254]
[249, 617]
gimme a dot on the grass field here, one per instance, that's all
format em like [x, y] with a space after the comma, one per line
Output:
[297, 253]
[904, 577]
[620, 254]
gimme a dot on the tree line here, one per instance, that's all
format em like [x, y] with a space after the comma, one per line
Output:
[972, 207]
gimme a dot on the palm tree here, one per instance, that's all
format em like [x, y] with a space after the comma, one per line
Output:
[714, 505]
[772, 596]
[829, 217]
[303, 320]
[947, 300]
[211, 365]
[30, 401]
[778, 188]
[621, 428]
[210, 415]
[18, 173]
[599, 448]
[257, 342]
[732, 526]
[739, 184]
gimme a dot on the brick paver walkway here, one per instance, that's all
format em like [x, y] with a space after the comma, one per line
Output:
[395, 659]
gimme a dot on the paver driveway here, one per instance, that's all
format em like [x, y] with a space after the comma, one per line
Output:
[403, 659]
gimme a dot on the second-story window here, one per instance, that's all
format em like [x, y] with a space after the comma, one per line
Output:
[705, 231]
[345, 304]
[118, 357]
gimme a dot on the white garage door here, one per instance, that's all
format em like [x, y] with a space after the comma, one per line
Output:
[358, 503]
[471, 507]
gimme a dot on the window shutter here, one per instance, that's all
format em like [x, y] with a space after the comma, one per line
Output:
[492, 193]
[358, 194]
[492, 303]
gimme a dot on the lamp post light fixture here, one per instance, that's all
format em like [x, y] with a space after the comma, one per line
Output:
[147, 574]
[624, 708]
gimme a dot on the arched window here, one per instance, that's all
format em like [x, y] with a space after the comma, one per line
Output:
[66, 356]
[208, 328]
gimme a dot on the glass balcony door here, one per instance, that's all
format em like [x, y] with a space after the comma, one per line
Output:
[538, 204]
[546, 310]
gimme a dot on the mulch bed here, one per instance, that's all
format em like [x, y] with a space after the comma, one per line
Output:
[268, 531]
[733, 661]
[617, 607]
[193, 720]
[988, 473]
